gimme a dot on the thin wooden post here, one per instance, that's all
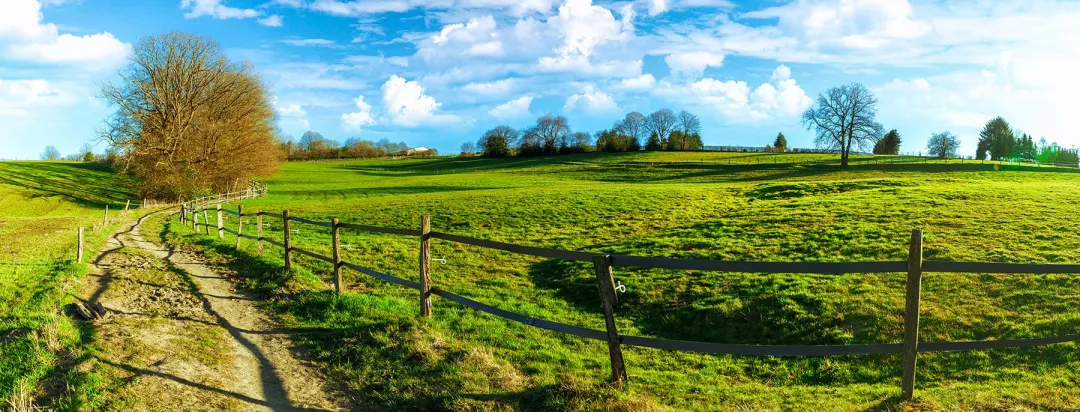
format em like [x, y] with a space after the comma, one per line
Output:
[206, 221]
[239, 225]
[183, 215]
[425, 266]
[606, 281]
[220, 223]
[126, 205]
[105, 221]
[911, 314]
[78, 255]
[258, 229]
[195, 220]
[288, 241]
[337, 256]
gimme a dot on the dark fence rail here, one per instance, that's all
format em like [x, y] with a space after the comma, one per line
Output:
[914, 266]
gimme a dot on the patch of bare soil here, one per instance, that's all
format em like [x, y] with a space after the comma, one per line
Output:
[178, 336]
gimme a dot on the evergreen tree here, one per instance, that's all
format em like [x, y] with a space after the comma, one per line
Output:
[780, 144]
[654, 143]
[888, 145]
[996, 139]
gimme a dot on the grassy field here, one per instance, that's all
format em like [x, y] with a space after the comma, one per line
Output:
[41, 206]
[693, 205]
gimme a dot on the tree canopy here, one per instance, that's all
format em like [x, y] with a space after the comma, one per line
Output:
[780, 144]
[843, 118]
[888, 145]
[943, 145]
[188, 119]
[996, 140]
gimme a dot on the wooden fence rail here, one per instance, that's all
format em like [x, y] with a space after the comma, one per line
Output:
[914, 266]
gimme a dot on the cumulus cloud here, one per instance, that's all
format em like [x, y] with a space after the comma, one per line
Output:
[855, 24]
[692, 65]
[513, 110]
[592, 101]
[19, 97]
[407, 103]
[272, 21]
[25, 37]
[356, 8]
[490, 90]
[644, 82]
[735, 101]
[361, 117]
[657, 7]
[215, 9]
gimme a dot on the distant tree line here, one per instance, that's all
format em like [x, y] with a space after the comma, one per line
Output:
[552, 135]
[313, 145]
[85, 154]
[999, 141]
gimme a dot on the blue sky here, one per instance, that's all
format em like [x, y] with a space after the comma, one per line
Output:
[438, 73]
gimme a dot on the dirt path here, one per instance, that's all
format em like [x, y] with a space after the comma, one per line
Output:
[180, 337]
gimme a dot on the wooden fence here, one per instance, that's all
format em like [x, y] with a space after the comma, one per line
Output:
[914, 266]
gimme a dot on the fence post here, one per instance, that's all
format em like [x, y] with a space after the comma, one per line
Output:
[606, 281]
[425, 267]
[183, 214]
[78, 255]
[195, 220]
[220, 223]
[288, 241]
[206, 221]
[126, 205]
[105, 221]
[337, 256]
[258, 229]
[911, 314]
[239, 224]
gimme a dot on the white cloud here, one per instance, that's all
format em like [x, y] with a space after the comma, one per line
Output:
[309, 42]
[657, 7]
[272, 21]
[513, 110]
[356, 8]
[734, 101]
[362, 117]
[644, 82]
[292, 110]
[847, 23]
[592, 101]
[406, 102]
[490, 90]
[19, 97]
[296, 4]
[24, 37]
[692, 65]
[584, 26]
[214, 8]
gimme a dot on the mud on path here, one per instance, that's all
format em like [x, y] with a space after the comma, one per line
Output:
[180, 337]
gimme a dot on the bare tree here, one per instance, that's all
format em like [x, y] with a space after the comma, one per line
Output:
[550, 131]
[844, 117]
[496, 142]
[188, 119]
[634, 125]
[662, 122]
[50, 153]
[943, 145]
[468, 149]
[689, 123]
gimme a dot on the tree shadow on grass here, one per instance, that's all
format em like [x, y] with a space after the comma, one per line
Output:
[86, 184]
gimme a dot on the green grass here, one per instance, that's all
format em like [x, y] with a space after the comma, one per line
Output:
[41, 206]
[692, 205]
